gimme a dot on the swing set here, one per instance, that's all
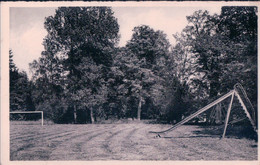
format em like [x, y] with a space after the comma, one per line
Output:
[238, 91]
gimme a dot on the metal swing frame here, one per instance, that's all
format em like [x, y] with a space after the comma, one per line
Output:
[232, 93]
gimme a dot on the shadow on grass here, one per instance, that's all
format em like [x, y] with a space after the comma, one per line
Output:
[188, 137]
[235, 131]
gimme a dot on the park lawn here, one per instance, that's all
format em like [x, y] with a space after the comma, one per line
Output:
[131, 141]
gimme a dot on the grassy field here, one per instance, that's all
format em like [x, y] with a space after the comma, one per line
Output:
[129, 141]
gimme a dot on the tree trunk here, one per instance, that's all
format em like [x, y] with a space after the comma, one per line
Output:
[75, 114]
[92, 116]
[139, 109]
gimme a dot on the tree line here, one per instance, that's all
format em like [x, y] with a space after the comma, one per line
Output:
[83, 76]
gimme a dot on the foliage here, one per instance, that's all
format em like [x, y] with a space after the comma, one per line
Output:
[83, 76]
[239, 24]
[217, 51]
[221, 53]
[20, 88]
[146, 53]
[148, 43]
[78, 53]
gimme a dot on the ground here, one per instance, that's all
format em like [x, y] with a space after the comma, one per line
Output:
[131, 141]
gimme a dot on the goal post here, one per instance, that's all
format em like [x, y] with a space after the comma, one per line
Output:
[41, 112]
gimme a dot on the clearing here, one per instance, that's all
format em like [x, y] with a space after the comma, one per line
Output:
[129, 141]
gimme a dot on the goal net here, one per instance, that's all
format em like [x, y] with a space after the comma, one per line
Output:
[26, 118]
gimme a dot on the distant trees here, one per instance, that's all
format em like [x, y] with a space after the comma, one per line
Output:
[83, 76]
[20, 88]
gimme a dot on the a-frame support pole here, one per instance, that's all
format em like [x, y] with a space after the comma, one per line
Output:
[228, 114]
[244, 108]
[246, 111]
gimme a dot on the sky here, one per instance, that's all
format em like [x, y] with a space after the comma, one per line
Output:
[27, 26]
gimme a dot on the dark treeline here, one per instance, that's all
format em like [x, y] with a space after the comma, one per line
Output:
[83, 76]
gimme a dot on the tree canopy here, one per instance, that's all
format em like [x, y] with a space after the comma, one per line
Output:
[83, 76]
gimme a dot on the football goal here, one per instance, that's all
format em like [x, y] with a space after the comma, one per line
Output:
[26, 116]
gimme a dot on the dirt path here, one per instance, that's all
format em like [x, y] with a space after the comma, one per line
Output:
[123, 142]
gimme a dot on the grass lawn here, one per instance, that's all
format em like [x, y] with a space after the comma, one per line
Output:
[129, 141]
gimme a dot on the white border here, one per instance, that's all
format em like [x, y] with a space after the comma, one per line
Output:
[5, 154]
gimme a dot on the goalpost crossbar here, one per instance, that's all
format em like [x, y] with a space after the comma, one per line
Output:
[41, 112]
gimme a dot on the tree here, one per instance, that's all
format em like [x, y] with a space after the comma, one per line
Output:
[93, 92]
[49, 77]
[117, 99]
[239, 25]
[171, 93]
[137, 79]
[149, 44]
[12, 67]
[221, 51]
[220, 41]
[20, 88]
[208, 49]
[146, 51]
[76, 34]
